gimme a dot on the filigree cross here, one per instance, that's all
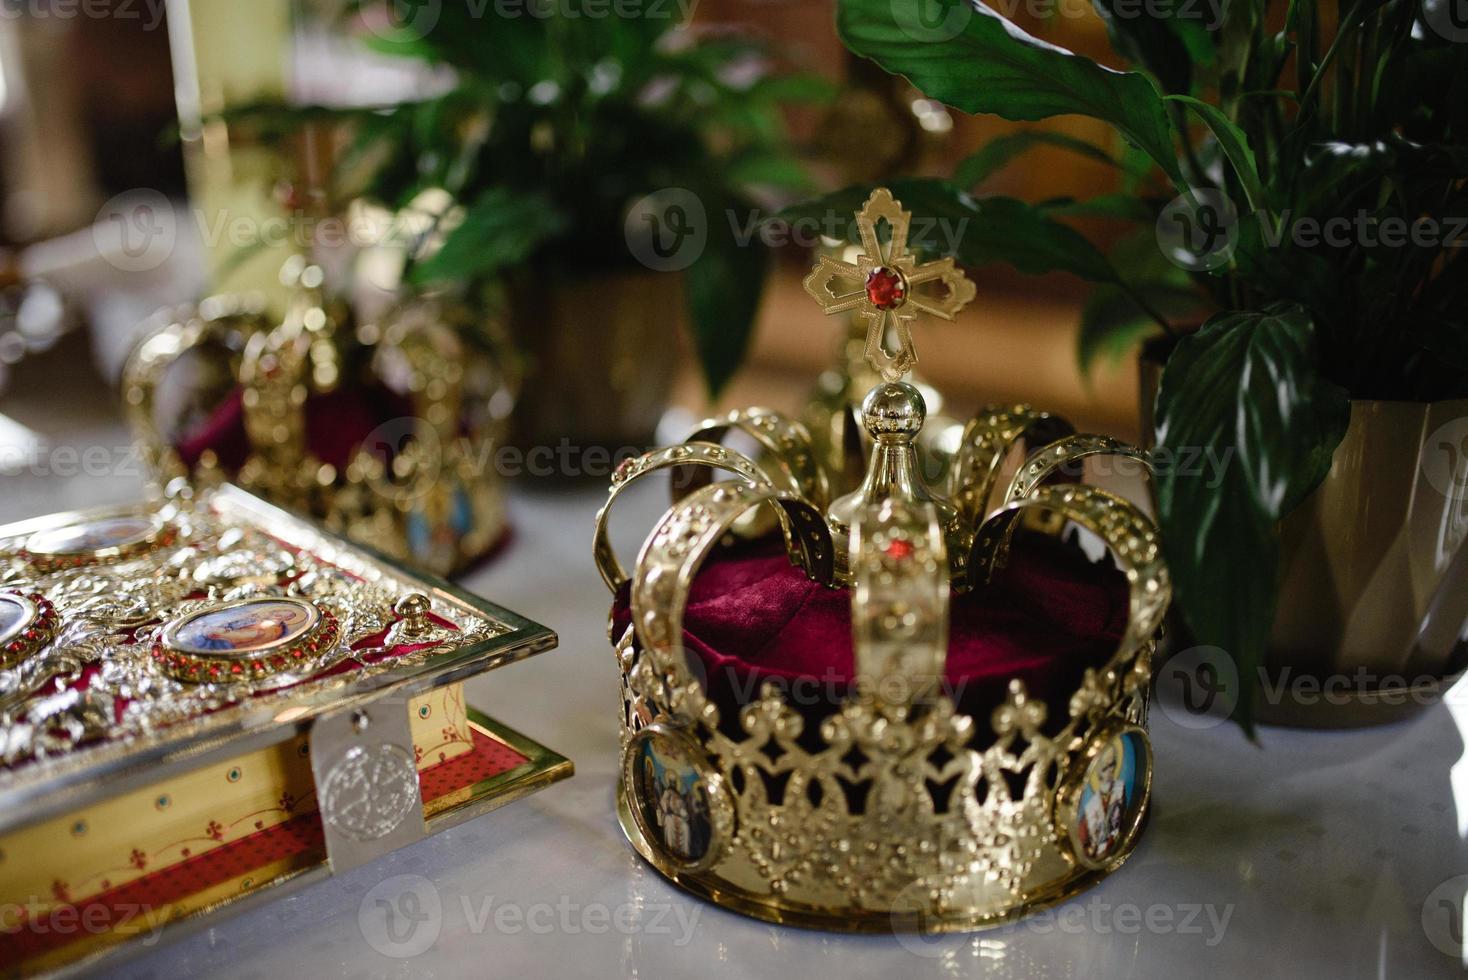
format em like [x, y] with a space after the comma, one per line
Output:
[882, 286]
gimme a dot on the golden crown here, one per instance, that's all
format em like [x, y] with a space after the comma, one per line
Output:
[893, 806]
[382, 429]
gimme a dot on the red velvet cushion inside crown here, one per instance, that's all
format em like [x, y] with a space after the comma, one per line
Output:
[337, 422]
[1049, 615]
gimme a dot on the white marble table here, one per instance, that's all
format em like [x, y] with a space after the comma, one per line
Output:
[1337, 855]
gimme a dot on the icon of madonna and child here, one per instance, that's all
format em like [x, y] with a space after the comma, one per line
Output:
[674, 800]
[246, 628]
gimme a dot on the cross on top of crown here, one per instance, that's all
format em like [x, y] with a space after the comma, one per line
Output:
[881, 285]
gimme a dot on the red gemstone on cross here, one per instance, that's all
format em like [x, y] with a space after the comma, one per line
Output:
[898, 549]
[886, 288]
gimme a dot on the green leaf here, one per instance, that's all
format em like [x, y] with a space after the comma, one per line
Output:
[724, 286]
[501, 228]
[1011, 231]
[760, 166]
[1246, 428]
[979, 62]
[1162, 42]
[798, 88]
[1113, 322]
[1235, 146]
[999, 151]
[976, 231]
[1265, 258]
[1127, 207]
[1447, 337]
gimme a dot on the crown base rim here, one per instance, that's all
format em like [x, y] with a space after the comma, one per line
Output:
[710, 888]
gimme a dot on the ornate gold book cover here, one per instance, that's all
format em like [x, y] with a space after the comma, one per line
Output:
[204, 700]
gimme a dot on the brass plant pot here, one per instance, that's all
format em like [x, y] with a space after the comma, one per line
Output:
[1374, 578]
[1374, 569]
[600, 349]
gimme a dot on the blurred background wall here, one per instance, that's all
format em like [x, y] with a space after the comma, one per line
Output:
[91, 95]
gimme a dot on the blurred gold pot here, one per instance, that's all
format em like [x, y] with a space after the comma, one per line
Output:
[1374, 578]
[1374, 569]
[601, 349]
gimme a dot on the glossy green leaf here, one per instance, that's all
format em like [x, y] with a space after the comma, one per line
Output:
[1125, 207]
[1158, 39]
[723, 287]
[1246, 429]
[1235, 146]
[1113, 322]
[979, 62]
[998, 152]
[501, 228]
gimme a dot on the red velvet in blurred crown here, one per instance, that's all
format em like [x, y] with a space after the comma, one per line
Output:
[336, 424]
[752, 617]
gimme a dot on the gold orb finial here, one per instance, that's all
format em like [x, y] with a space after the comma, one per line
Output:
[894, 412]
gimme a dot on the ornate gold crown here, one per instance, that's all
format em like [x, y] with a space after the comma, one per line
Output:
[383, 430]
[890, 808]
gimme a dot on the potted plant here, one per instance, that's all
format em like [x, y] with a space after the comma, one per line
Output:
[1292, 204]
[583, 177]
